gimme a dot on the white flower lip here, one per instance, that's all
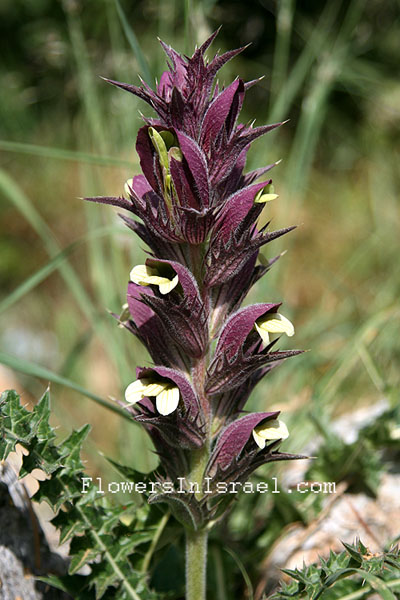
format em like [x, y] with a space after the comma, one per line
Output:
[127, 186]
[167, 400]
[264, 198]
[165, 393]
[273, 323]
[266, 195]
[270, 431]
[145, 275]
[139, 389]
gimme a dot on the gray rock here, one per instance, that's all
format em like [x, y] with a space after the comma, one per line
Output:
[24, 551]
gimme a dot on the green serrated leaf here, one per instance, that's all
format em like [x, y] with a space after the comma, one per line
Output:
[83, 551]
[338, 579]
[99, 537]
[71, 448]
[52, 492]
[42, 455]
[76, 585]
[7, 443]
[377, 584]
[352, 550]
[16, 424]
[68, 523]
[40, 419]
[103, 577]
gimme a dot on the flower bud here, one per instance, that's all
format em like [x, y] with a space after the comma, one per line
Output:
[162, 141]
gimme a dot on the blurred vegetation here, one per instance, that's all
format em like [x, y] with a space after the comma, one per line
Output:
[332, 69]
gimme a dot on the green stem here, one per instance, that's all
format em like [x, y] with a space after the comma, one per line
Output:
[199, 461]
[196, 541]
[196, 562]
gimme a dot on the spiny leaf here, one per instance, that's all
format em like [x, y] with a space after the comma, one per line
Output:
[68, 523]
[338, 577]
[98, 535]
[83, 553]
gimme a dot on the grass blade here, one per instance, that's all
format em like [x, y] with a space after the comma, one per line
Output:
[35, 279]
[41, 274]
[315, 105]
[34, 370]
[250, 591]
[86, 79]
[63, 154]
[15, 194]
[29, 212]
[219, 574]
[186, 19]
[300, 71]
[134, 44]
[284, 23]
[326, 387]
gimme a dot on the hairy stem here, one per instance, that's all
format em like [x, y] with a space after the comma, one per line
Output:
[196, 541]
[196, 562]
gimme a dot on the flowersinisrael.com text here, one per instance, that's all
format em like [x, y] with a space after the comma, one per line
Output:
[183, 486]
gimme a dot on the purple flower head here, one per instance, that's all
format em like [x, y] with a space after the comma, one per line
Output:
[197, 211]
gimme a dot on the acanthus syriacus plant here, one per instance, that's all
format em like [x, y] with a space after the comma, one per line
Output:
[198, 214]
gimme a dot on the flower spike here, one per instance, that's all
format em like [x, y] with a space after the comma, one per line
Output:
[197, 210]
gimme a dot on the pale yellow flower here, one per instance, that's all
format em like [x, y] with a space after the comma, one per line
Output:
[266, 195]
[270, 431]
[165, 393]
[273, 323]
[144, 275]
[128, 186]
